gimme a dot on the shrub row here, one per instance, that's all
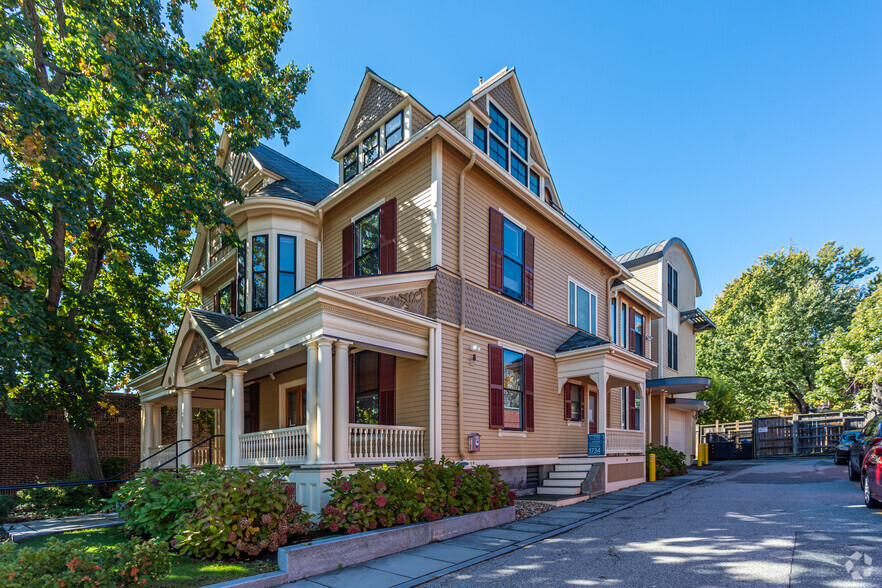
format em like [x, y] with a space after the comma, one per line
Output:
[214, 513]
[69, 564]
[668, 462]
[408, 493]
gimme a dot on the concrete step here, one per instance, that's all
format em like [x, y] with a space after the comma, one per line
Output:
[560, 491]
[574, 475]
[577, 459]
[557, 482]
[573, 467]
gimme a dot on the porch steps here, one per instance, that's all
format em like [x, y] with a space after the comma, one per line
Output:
[567, 477]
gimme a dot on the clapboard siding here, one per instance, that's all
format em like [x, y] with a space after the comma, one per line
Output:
[453, 164]
[410, 184]
[646, 281]
[449, 408]
[412, 392]
[311, 261]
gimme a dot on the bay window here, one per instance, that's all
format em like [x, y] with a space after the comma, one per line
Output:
[258, 272]
[241, 277]
[287, 282]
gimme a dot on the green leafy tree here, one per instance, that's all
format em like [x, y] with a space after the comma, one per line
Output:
[724, 402]
[109, 121]
[852, 357]
[773, 319]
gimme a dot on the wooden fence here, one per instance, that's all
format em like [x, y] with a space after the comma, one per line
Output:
[796, 435]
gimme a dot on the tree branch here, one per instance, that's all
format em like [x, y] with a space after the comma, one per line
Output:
[30, 12]
[23, 207]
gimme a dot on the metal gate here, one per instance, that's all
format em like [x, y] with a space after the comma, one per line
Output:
[803, 434]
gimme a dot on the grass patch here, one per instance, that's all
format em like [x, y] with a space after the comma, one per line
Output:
[185, 571]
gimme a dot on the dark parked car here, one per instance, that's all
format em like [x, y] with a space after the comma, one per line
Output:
[840, 454]
[871, 476]
[862, 444]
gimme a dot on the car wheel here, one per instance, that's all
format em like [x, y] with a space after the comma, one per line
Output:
[868, 499]
[837, 460]
[852, 474]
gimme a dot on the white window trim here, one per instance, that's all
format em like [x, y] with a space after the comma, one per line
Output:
[283, 388]
[510, 433]
[406, 122]
[574, 423]
[363, 213]
[579, 284]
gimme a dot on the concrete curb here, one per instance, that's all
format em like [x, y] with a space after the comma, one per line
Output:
[552, 533]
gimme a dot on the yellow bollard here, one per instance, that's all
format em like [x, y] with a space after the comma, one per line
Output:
[652, 467]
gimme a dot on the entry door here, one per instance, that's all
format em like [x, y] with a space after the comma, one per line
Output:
[677, 430]
[592, 412]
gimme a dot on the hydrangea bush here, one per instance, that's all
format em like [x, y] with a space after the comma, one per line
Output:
[214, 513]
[668, 461]
[408, 493]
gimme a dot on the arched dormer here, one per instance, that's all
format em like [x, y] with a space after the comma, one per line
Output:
[195, 357]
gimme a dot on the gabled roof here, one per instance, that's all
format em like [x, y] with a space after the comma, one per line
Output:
[204, 324]
[375, 95]
[580, 340]
[657, 251]
[299, 183]
[212, 323]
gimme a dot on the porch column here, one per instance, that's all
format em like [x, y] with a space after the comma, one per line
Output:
[146, 429]
[157, 425]
[600, 378]
[185, 424]
[311, 400]
[341, 402]
[325, 420]
[644, 425]
[237, 414]
[228, 412]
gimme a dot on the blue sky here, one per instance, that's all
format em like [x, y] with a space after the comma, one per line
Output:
[737, 126]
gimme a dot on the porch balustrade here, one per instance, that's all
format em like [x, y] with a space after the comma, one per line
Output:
[377, 443]
[620, 441]
[274, 447]
[168, 453]
[200, 454]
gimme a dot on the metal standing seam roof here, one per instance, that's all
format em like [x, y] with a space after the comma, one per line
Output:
[300, 183]
[580, 340]
[212, 323]
[656, 251]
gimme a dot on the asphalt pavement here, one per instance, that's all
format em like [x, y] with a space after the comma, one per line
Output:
[796, 522]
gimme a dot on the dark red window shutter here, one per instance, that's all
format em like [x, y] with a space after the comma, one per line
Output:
[496, 245]
[632, 410]
[631, 341]
[352, 388]
[592, 424]
[387, 389]
[349, 251]
[528, 392]
[497, 416]
[389, 237]
[568, 403]
[529, 245]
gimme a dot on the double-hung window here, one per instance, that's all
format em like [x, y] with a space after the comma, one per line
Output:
[258, 272]
[623, 313]
[513, 264]
[287, 278]
[370, 148]
[367, 244]
[613, 333]
[673, 350]
[350, 165]
[630, 409]
[241, 277]
[498, 137]
[638, 333]
[394, 130]
[583, 308]
[573, 402]
[479, 136]
[513, 390]
[673, 286]
[372, 393]
[534, 183]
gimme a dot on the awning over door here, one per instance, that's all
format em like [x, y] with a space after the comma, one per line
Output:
[686, 404]
[679, 385]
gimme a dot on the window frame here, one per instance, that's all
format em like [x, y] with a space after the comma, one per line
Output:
[577, 391]
[673, 286]
[495, 153]
[357, 359]
[538, 183]
[357, 240]
[625, 324]
[521, 393]
[353, 165]
[242, 278]
[264, 272]
[512, 130]
[386, 145]
[673, 350]
[613, 322]
[573, 295]
[280, 271]
[220, 294]
[297, 391]
[519, 296]
[364, 152]
[517, 161]
[639, 321]
[491, 108]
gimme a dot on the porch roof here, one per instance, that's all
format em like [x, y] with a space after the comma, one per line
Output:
[679, 385]
[580, 340]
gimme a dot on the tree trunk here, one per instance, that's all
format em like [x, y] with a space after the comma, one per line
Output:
[876, 397]
[84, 455]
[801, 405]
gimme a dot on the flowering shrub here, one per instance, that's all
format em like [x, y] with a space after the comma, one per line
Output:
[410, 493]
[214, 513]
[668, 462]
[68, 564]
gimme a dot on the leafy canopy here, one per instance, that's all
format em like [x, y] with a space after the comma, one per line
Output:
[772, 322]
[109, 121]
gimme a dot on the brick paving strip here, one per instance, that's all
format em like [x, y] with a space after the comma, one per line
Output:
[30, 529]
[421, 564]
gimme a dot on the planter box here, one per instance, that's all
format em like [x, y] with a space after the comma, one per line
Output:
[302, 561]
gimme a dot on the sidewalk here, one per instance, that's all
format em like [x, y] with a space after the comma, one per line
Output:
[421, 564]
[30, 529]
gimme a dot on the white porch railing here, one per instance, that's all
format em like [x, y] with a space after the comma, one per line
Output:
[385, 443]
[279, 446]
[200, 454]
[623, 441]
[168, 452]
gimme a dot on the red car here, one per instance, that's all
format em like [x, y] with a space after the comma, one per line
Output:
[871, 475]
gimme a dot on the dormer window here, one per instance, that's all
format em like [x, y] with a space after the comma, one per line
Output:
[394, 130]
[534, 183]
[518, 169]
[350, 165]
[370, 147]
[479, 136]
[505, 137]
[499, 123]
[518, 142]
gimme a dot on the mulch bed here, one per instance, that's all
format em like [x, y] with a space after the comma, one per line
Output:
[525, 509]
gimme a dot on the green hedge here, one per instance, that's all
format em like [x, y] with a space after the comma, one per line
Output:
[214, 513]
[410, 492]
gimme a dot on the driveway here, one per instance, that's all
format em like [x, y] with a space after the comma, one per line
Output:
[792, 522]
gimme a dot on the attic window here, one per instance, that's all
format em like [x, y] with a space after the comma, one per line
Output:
[394, 130]
[371, 148]
[350, 165]
[505, 137]
[534, 183]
